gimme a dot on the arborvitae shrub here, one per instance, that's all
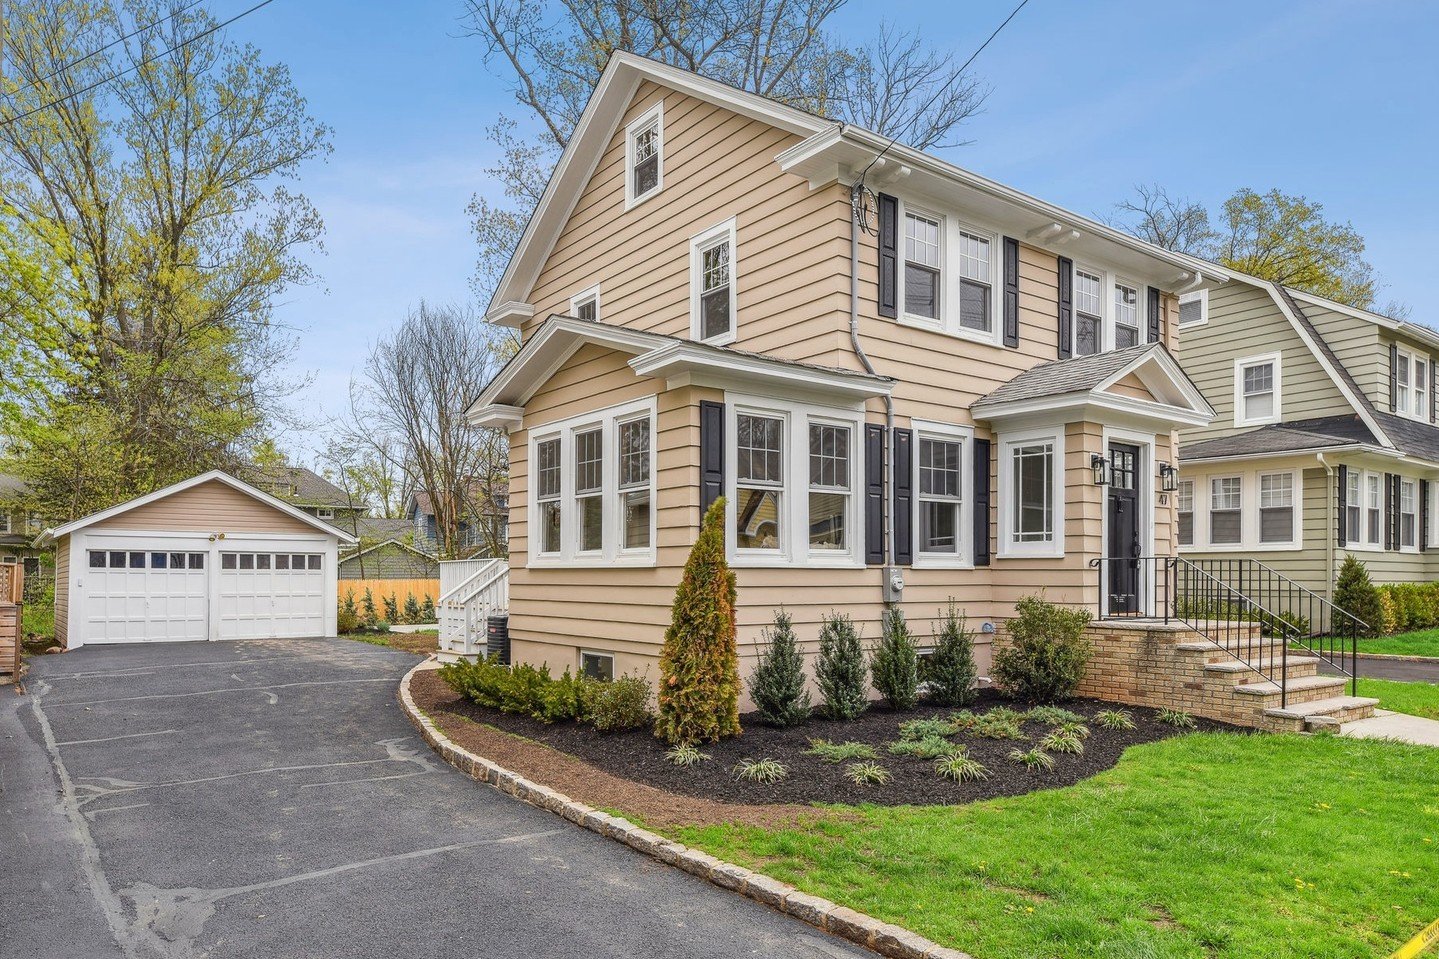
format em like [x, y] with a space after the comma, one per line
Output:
[777, 683]
[951, 672]
[392, 609]
[427, 610]
[412, 610]
[840, 671]
[699, 665]
[895, 666]
[1356, 594]
[368, 615]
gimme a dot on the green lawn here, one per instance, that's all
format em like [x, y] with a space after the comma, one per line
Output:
[1423, 642]
[1418, 699]
[1204, 846]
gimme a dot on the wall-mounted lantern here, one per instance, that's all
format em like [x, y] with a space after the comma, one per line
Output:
[1099, 467]
[1168, 477]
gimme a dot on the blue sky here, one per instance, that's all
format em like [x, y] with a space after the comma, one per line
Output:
[1334, 99]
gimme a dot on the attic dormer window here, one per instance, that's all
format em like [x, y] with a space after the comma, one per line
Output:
[644, 174]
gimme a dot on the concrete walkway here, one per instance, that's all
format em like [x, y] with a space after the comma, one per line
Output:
[1399, 726]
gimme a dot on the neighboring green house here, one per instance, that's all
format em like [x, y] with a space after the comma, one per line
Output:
[390, 559]
[18, 529]
[1325, 440]
[312, 493]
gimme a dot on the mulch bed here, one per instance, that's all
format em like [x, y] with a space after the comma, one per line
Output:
[637, 758]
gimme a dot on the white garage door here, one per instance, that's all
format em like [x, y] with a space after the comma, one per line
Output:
[137, 595]
[266, 595]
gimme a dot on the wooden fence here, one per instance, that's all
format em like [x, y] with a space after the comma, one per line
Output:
[381, 589]
[12, 594]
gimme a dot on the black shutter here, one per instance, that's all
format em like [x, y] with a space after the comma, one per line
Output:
[1393, 377]
[874, 494]
[1011, 292]
[981, 502]
[1390, 505]
[1154, 324]
[1341, 496]
[888, 256]
[711, 453]
[1423, 514]
[1433, 393]
[1066, 308]
[902, 512]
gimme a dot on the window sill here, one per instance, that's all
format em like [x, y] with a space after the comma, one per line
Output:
[784, 562]
[633, 201]
[1018, 553]
[1244, 547]
[591, 562]
[1260, 421]
[941, 562]
[990, 338]
[724, 339]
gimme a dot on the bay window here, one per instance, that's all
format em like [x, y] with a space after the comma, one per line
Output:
[923, 277]
[1226, 498]
[1184, 498]
[589, 489]
[1031, 486]
[940, 488]
[634, 482]
[1276, 508]
[759, 481]
[829, 486]
[1126, 316]
[547, 492]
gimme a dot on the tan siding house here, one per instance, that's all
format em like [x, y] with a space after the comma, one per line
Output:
[684, 298]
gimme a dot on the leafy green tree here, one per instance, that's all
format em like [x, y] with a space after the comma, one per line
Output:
[895, 666]
[699, 664]
[840, 671]
[951, 671]
[777, 684]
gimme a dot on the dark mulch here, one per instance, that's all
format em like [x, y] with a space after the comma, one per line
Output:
[639, 757]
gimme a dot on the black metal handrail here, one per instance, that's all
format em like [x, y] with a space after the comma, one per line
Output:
[1224, 599]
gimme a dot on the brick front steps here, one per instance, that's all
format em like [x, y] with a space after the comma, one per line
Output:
[1169, 665]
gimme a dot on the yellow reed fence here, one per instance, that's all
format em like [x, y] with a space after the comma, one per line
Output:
[381, 589]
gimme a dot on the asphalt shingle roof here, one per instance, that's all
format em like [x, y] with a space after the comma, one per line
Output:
[1058, 377]
[309, 488]
[1284, 438]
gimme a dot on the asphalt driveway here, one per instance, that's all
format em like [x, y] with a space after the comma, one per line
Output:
[270, 799]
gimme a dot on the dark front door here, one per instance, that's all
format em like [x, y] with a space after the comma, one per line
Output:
[1122, 551]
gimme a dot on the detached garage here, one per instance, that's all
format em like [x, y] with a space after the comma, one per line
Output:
[209, 558]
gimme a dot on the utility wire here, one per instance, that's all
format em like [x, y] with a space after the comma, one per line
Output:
[95, 53]
[133, 67]
[895, 138]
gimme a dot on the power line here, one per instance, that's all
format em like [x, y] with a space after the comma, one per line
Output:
[133, 67]
[95, 53]
[895, 138]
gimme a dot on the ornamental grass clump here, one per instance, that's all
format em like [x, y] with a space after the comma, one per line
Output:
[1052, 715]
[685, 755]
[839, 752]
[699, 664]
[777, 684]
[933, 726]
[951, 671]
[961, 767]
[840, 670]
[867, 774]
[1062, 741]
[1114, 719]
[1177, 718]
[766, 770]
[929, 747]
[1035, 760]
[895, 666]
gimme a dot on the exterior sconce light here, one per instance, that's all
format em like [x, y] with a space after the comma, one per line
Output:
[1099, 466]
[1168, 477]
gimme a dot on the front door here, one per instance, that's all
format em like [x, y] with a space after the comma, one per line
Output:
[1122, 574]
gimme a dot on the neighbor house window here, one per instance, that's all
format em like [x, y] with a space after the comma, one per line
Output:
[1353, 508]
[1194, 308]
[1421, 390]
[1401, 382]
[1126, 316]
[645, 155]
[324, 513]
[586, 305]
[1184, 498]
[1276, 507]
[922, 274]
[941, 495]
[976, 278]
[1373, 509]
[1411, 385]
[1088, 313]
[4, 522]
[547, 492]
[599, 666]
[712, 303]
[1032, 490]
[1256, 390]
[1225, 500]
[634, 466]
[1408, 514]
[829, 491]
[589, 489]
[759, 480]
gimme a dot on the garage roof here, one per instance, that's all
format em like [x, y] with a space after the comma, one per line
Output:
[221, 476]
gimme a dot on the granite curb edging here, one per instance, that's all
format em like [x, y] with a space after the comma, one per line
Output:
[884, 938]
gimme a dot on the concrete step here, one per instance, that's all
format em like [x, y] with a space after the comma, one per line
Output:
[1336, 710]
[1295, 667]
[1306, 690]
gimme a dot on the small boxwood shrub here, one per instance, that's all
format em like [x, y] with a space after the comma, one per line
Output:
[840, 671]
[622, 703]
[1046, 654]
[951, 671]
[895, 666]
[777, 684]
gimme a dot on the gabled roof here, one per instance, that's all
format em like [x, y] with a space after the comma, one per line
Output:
[219, 476]
[1086, 381]
[311, 489]
[501, 403]
[409, 547]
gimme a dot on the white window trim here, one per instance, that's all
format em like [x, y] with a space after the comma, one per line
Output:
[794, 549]
[1202, 297]
[1193, 513]
[1407, 410]
[1141, 309]
[1296, 520]
[598, 654]
[324, 512]
[948, 323]
[1249, 516]
[611, 554]
[1240, 365]
[1009, 548]
[700, 242]
[1418, 515]
[1358, 540]
[583, 297]
[656, 115]
[964, 557]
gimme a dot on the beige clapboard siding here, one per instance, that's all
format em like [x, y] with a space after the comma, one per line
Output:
[1244, 321]
[211, 506]
[62, 594]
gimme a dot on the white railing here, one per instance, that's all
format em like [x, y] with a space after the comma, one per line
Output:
[477, 590]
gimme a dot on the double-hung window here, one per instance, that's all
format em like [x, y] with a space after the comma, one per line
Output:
[589, 489]
[1184, 497]
[1408, 514]
[759, 482]
[1402, 363]
[547, 493]
[1194, 308]
[1226, 499]
[829, 484]
[1031, 488]
[644, 155]
[1373, 509]
[1126, 316]
[941, 475]
[712, 297]
[1353, 508]
[976, 278]
[923, 277]
[586, 305]
[1256, 390]
[1412, 385]
[634, 482]
[1276, 507]
[1088, 313]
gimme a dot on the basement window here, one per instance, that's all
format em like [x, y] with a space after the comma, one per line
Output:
[599, 666]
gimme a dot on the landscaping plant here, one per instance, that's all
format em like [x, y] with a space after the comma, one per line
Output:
[839, 752]
[346, 621]
[960, 766]
[1355, 593]
[567, 698]
[867, 773]
[994, 725]
[951, 671]
[921, 728]
[895, 666]
[1114, 719]
[840, 670]
[1035, 760]
[777, 684]
[1062, 741]
[392, 608]
[760, 770]
[427, 610]
[699, 664]
[1046, 654]
[685, 755]
[368, 615]
[1053, 715]
[622, 703]
[1177, 717]
[928, 747]
[412, 610]
[1072, 728]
